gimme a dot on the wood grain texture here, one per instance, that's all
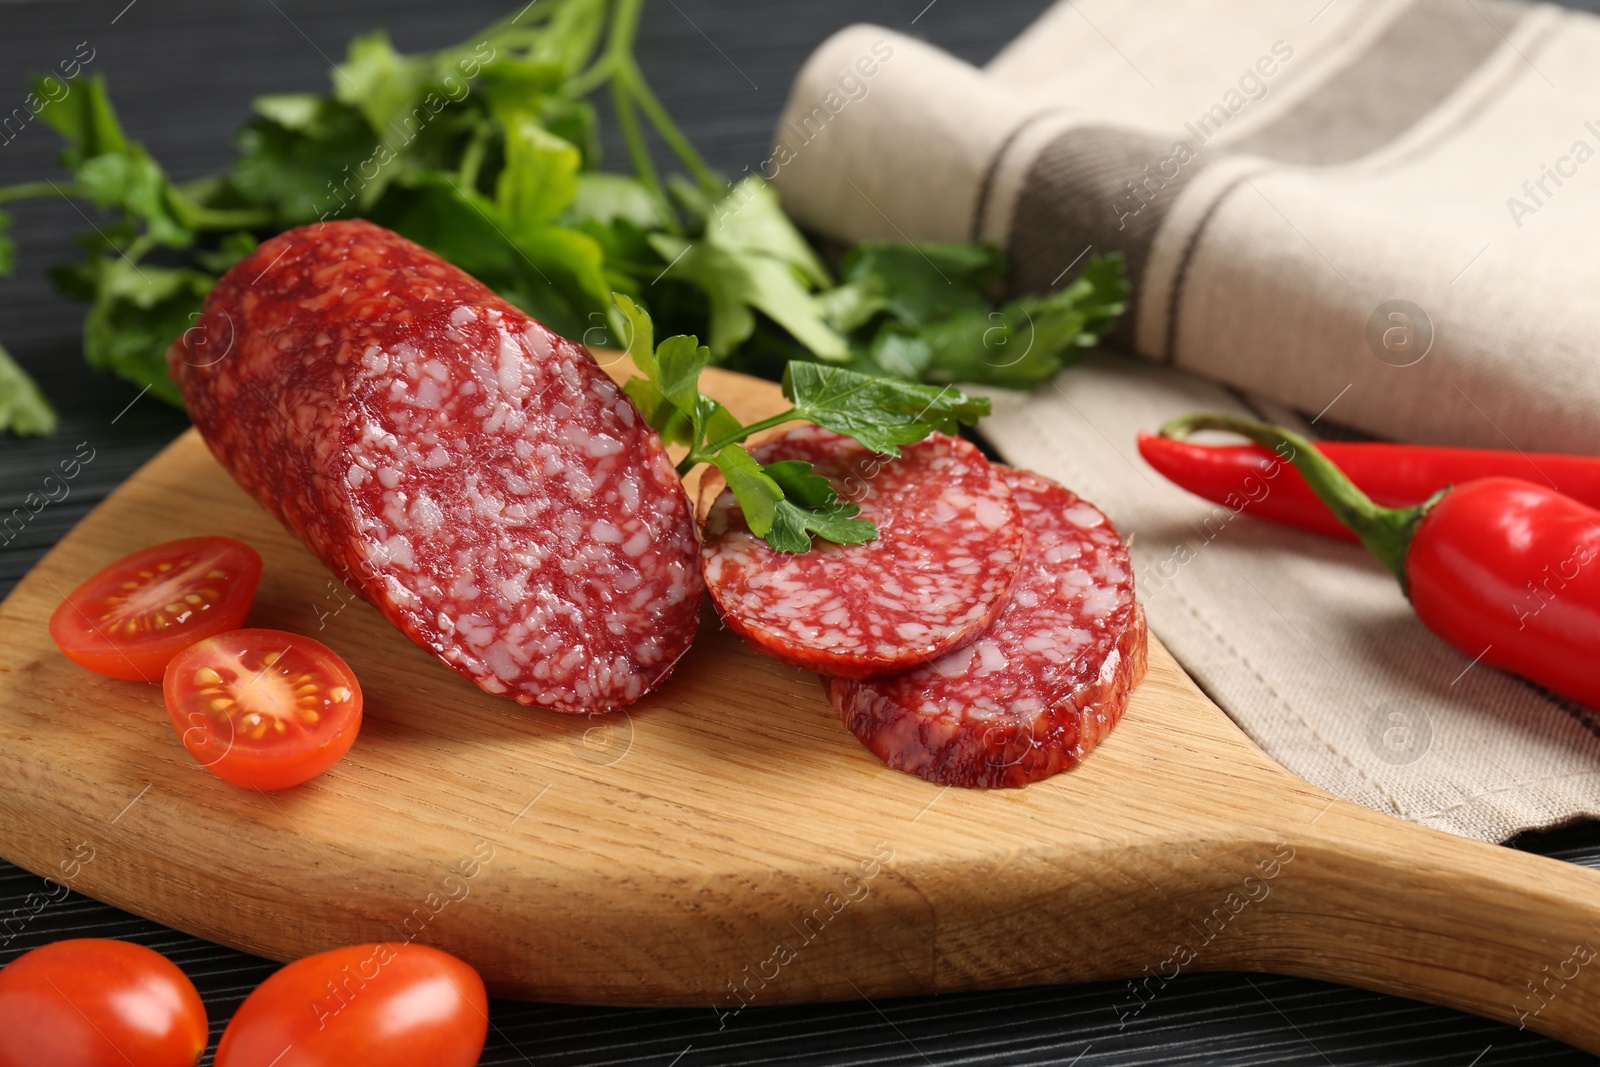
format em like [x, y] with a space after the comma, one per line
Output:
[726, 841]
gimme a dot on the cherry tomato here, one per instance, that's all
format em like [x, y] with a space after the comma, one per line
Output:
[130, 619]
[389, 1004]
[96, 1003]
[263, 709]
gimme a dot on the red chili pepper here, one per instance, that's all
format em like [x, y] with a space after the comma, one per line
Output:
[1504, 570]
[1257, 481]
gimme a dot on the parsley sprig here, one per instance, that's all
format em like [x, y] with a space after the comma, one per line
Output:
[487, 152]
[785, 502]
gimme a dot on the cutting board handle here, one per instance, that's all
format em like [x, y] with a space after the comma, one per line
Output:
[1369, 901]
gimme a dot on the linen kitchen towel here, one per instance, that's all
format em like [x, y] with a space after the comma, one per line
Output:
[1375, 213]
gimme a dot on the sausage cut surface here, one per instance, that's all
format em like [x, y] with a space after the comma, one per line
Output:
[946, 554]
[477, 478]
[1038, 690]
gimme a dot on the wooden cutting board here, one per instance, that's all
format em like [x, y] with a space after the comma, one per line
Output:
[727, 842]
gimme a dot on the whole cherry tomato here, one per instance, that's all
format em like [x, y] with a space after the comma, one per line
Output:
[382, 1005]
[96, 1003]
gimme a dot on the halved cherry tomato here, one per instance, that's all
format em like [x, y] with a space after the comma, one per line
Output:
[263, 709]
[389, 1004]
[97, 1003]
[130, 619]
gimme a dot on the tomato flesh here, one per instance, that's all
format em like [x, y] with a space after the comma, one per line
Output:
[382, 1005]
[129, 619]
[97, 1003]
[263, 709]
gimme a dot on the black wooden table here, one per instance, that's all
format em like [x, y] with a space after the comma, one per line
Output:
[182, 73]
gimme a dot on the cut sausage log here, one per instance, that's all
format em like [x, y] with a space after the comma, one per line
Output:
[947, 551]
[477, 478]
[1043, 686]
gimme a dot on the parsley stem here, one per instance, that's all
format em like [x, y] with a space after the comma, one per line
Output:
[472, 158]
[670, 132]
[633, 137]
[137, 248]
[599, 72]
[754, 427]
[705, 452]
[630, 90]
[624, 28]
[187, 203]
[619, 52]
[34, 190]
[206, 218]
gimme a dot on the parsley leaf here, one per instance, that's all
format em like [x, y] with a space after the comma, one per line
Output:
[86, 119]
[881, 413]
[758, 494]
[748, 221]
[784, 503]
[800, 482]
[669, 394]
[792, 526]
[920, 312]
[377, 80]
[750, 258]
[137, 312]
[541, 172]
[301, 158]
[23, 409]
[133, 182]
[810, 506]
[603, 200]
[1028, 340]
[487, 152]
[739, 284]
[914, 283]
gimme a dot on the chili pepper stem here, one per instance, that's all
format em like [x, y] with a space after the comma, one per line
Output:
[1385, 532]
